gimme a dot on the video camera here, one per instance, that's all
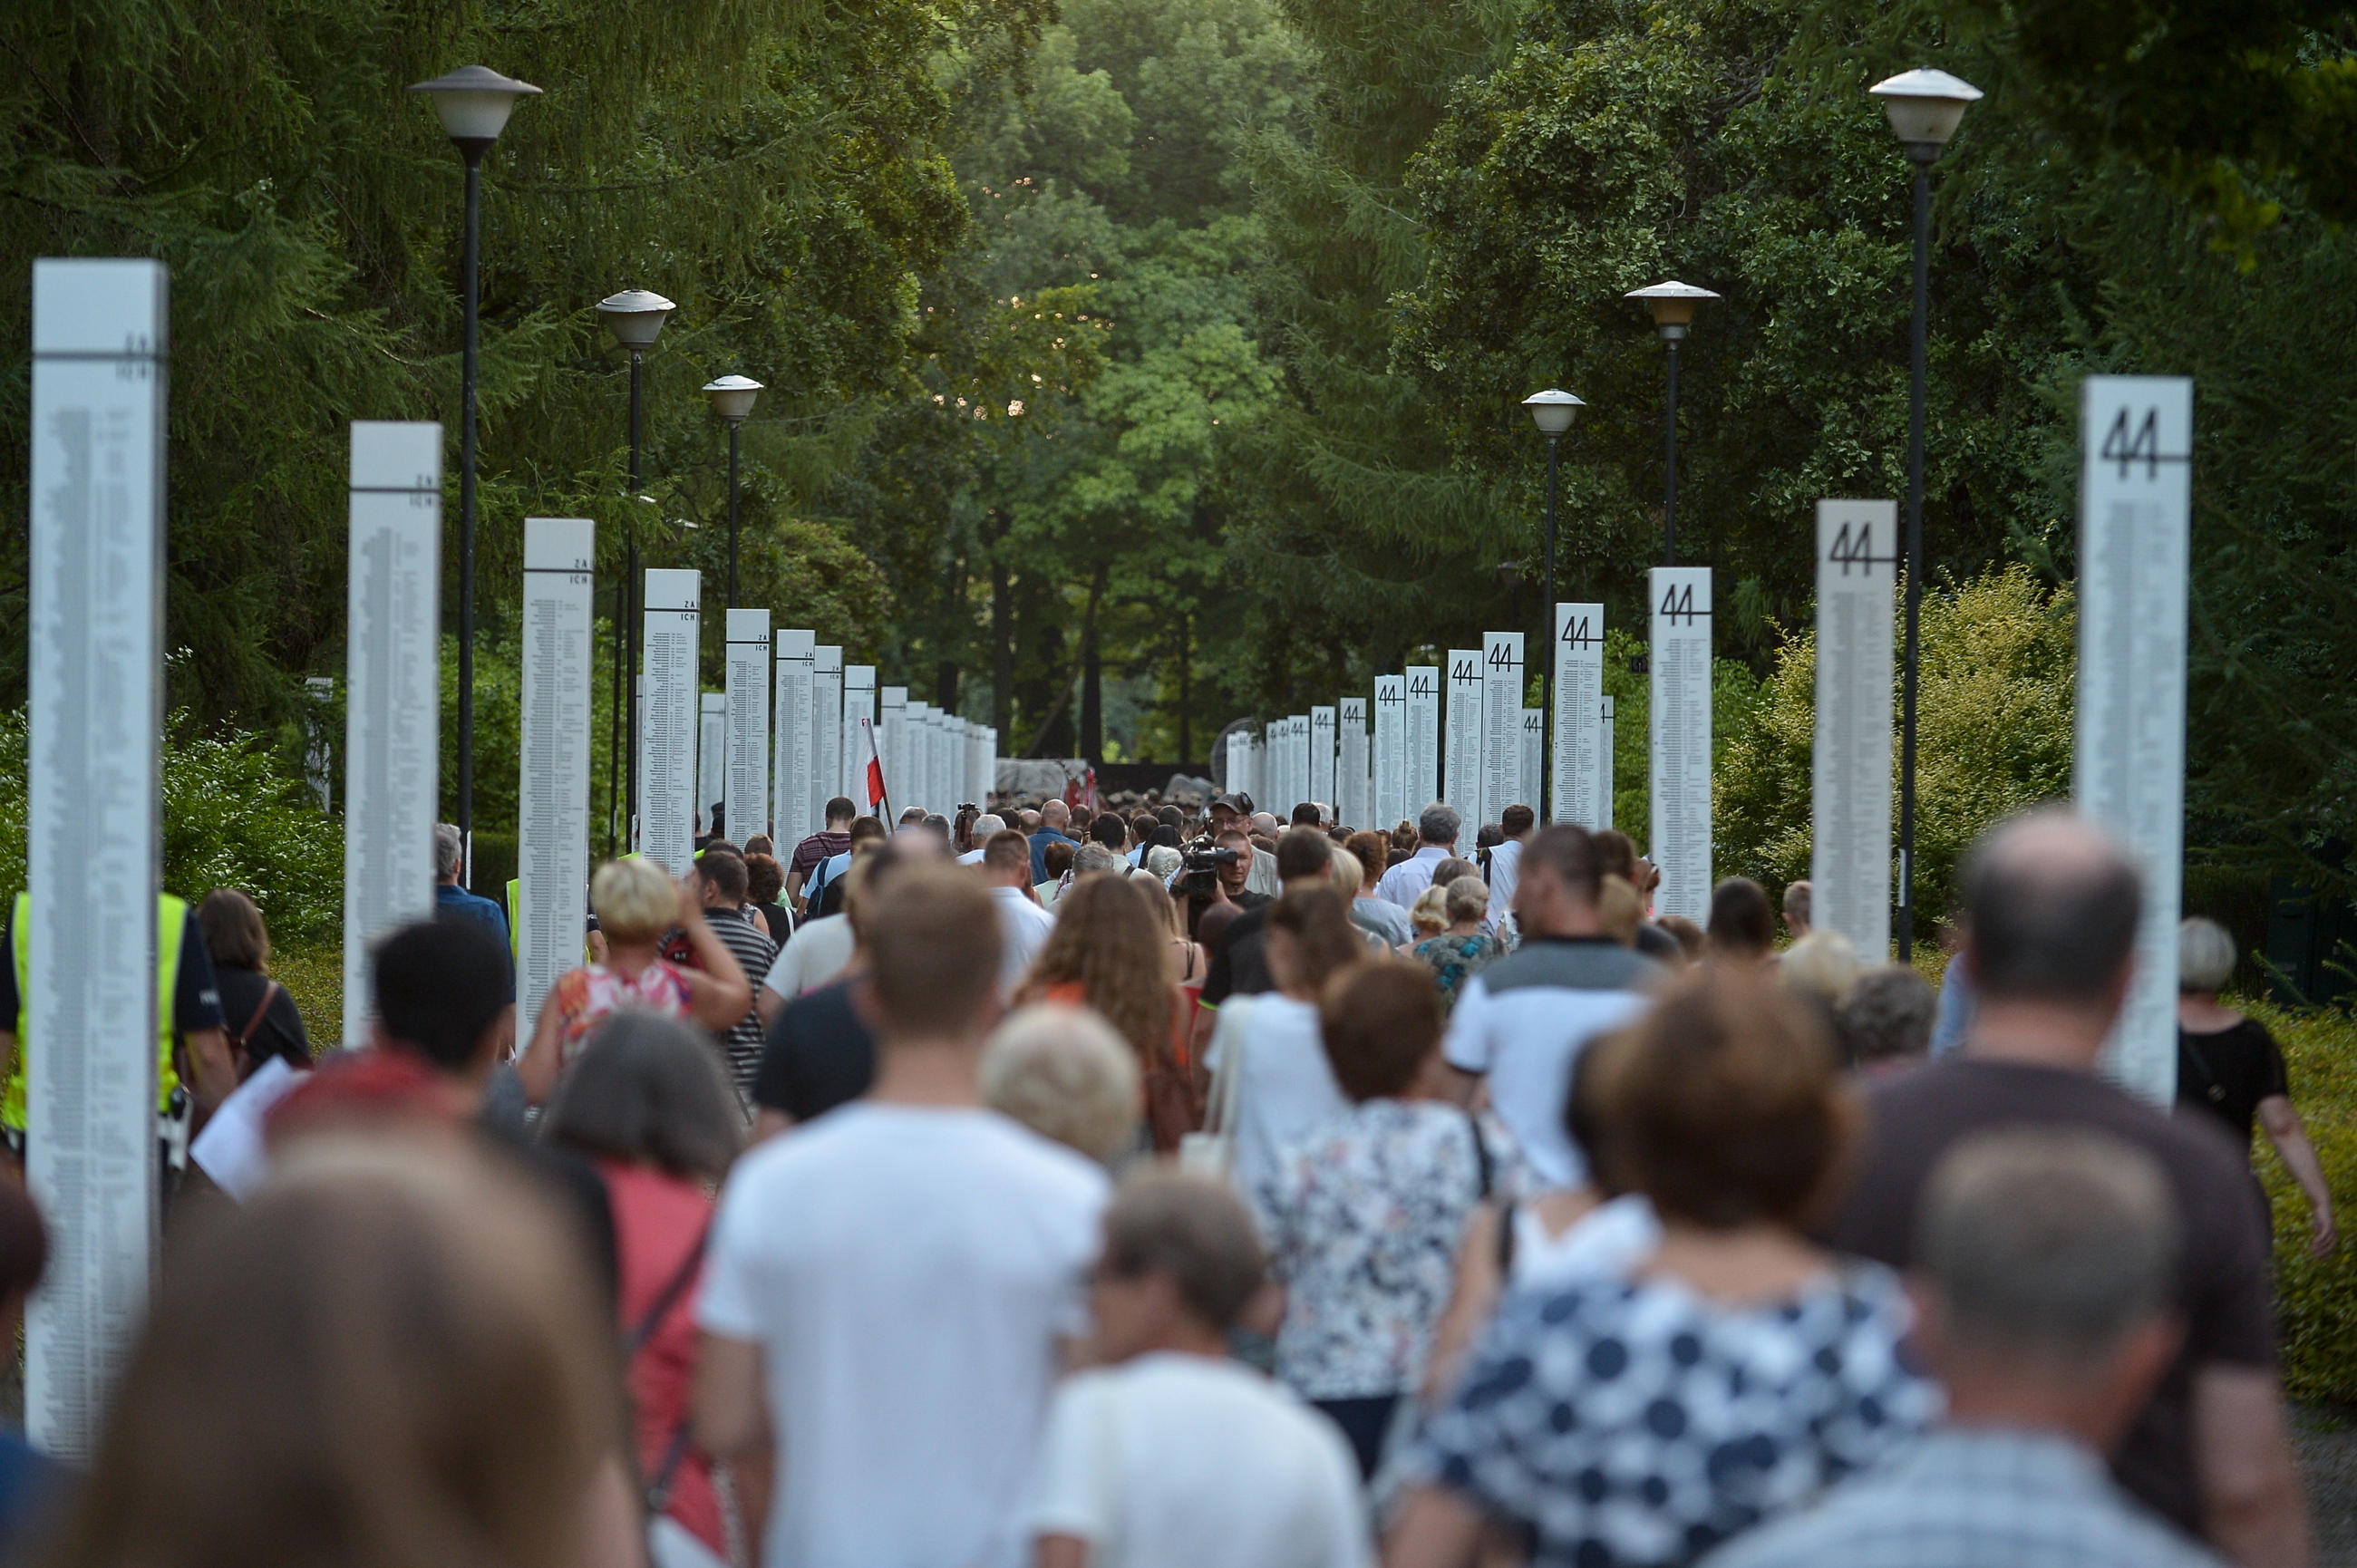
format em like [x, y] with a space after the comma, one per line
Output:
[1199, 870]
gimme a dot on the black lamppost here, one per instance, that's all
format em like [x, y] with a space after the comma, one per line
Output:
[732, 399]
[1551, 410]
[1674, 305]
[635, 318]
[1925, 108]
[473, 104]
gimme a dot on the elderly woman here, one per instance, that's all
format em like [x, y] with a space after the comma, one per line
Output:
[1465, 946]
[1062, 1072]
[1737, 1372]
[2230, 1068]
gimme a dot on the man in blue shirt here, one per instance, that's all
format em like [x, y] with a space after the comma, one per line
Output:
[1054, 817]
[454, 902]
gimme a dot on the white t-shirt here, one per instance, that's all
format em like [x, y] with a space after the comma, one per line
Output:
[1175, 1461]
[1506, 875]
[1023, 928]
[1287, 1087]
[908, 1273]
[814, 955]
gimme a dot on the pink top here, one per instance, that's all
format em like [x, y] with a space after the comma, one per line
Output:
[658, 1218]
[586, 994]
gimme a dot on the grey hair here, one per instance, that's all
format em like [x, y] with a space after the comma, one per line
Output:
[2205, 955]
[2046, 1248]
[1093, 856]
[1163, 861]
[1064, 1073]
[1438, 823]
[446, 845]
[646, 1088]
[1888, 1014]
[997, 824]
[1468, 899]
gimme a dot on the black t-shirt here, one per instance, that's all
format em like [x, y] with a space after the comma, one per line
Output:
[1239, 954]
[2228, 1073]
[277, 1032]
[820, 1052]
[2222, 1291]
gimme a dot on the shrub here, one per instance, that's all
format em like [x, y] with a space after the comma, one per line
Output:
[2316, 1299]
[230, 819]
[1994, 735]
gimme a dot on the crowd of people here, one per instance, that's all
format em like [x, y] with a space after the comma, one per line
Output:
[1069, 1189]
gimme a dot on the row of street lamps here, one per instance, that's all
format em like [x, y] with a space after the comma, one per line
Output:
[1924, 107]
[473, 104]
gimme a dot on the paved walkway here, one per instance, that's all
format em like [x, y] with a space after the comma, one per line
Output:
[2327, 1445]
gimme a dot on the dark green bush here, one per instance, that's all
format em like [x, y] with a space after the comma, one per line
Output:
[2316, 1299]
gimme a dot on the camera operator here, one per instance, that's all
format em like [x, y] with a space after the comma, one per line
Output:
[1239, 964]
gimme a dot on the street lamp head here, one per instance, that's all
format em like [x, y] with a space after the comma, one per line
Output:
[1552, 411]
[1925, 108]
[474, 103]
[1673, 304]
[635, 316]
[733, 397]
[1510, 573]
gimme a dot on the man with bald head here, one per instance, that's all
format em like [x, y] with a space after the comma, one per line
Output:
[2052, 906]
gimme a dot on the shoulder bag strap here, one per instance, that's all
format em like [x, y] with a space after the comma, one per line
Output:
[1483, 1163]
[668, 1297]
[269, 994]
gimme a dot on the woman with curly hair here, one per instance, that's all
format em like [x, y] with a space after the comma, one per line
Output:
[1111, 951]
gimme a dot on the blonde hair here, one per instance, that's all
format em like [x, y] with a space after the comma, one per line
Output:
[1469, 900]
[1822, 963]
[1429, 913]
[1065, 1074]
[1347, 875]
[635, 900]
[1619, 908]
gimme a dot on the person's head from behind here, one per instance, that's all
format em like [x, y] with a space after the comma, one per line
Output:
[932, 942]
[1093, 859]
[1006, 859]
[1264, 823]
[1182, 1262]
[1721, 1105]
[1798, 898]
[1888, 1016]
[1450, 870]
[1616, 853]
[441, 990]
[866, 833]
[1561, 875]
[722, 879]
[910, 816]
[1345, 872]
[1404, 837]
[1823, 964]
[449, 847]
[1380, 1024]
[1310, 939]
[1518, 821]
[1307, 815]
[1065, 1074]
[1742, 926]
[867, 877]
[1467, 903]
[1439, 824]
[985, 827]
[1107, 828]
[839, 812]
[383, 1359]
[2046, 1263]
[234, 934]
[759, 844]
[649, 1092]
[1373, 852]
[2205, 956]
[1055, 814]
[1059, 857]
[1429, 914]
[1619, 910]
[636, 903]
[764, 878]
[1489, 836]
[1304, 858]
[1688, 935]
[2050, 909]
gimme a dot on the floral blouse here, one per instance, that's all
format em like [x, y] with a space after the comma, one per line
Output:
[1627, 1423]
[1362, 1219]
[1454, 960]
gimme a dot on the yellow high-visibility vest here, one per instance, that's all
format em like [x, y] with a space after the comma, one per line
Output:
[171, 921]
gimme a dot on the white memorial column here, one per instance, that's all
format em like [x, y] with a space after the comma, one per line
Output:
[711, 755]
[1388, 783]
[671, 712]
[1321, 756]
[1849, 768]
[101, 358]
[1681, 740]
[791, 771]
[1468, 726]
[859, 724]
[560, 557]
[745, 778]
[912, 775]
[1352, 782]
[1579, 710]
[1422, 735]
[2129, 770]
[892, 746]
[827, 682]
[1502, 723]
[1533, 749]
[393, 694]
